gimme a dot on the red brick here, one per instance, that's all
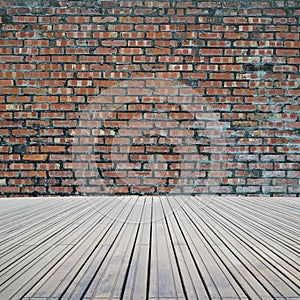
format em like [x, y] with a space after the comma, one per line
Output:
[9, 157]
[23, 132]
[235, 20]
[9, 189]
[211, 51]
[78, 19]
[54, 75]
[37, 123]
[287, 52]
[21, 166]
[142, 189]
[53, 149]
[24, 19]
[158, 149]
[116, 189]
[60, 189]
[35, 157]
[64, 58]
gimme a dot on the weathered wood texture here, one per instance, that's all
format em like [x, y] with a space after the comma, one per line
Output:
[170, 247]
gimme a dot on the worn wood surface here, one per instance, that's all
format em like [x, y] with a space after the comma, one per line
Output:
[144, 247]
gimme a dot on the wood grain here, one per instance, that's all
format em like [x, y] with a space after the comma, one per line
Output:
[150, 247]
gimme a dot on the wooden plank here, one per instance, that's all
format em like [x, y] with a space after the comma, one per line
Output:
[21, 223]
[30, 234]
[257, 223]
[136, 283]
[218, 281]
[29, 259]
[86, 281]
[30, 209]
[274, 214]
[267, 234]
[87, 249]
[277, 260]
[267, 274]
[154, 247]
[193, 284]
[114, 278]
[15, 286]
[50, 233]
[164, 275]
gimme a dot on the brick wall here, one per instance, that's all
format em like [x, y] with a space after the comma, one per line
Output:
[134, 97]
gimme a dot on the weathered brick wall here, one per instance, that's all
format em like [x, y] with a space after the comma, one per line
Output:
[149, 97]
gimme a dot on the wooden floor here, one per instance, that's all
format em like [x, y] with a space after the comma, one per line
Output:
[174, 247]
